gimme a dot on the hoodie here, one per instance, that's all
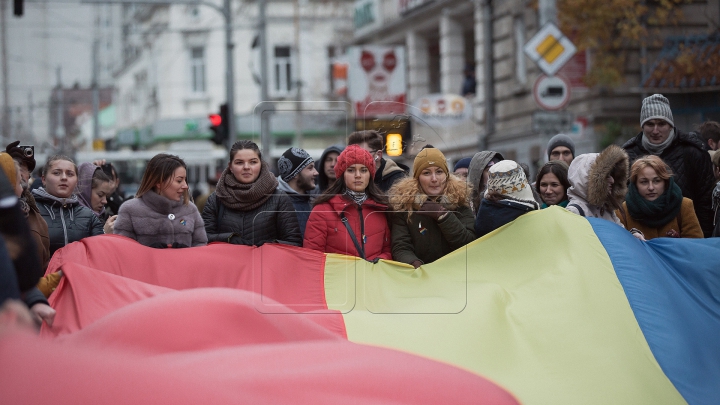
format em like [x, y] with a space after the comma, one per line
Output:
[301, 203]
[477, 165]
[323, 181]
[588, 194]
[86, 171]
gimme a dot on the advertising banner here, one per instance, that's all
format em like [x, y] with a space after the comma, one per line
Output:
[376, 80]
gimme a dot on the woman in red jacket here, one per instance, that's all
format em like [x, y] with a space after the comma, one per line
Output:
[349, 218]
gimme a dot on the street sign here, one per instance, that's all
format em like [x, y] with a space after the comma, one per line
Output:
[551, 92]
[552, 122]
[550, 49]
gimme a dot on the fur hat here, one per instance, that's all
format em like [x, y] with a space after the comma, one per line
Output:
[429, 157]
[560, 140]
[656, 107]
[508, 179]
[8, 166]
[353, 155]
[292, 162]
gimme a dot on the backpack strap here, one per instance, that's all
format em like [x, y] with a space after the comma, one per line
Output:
[580, 210]
[359, 248]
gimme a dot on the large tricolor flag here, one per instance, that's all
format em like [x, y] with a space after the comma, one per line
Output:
[552, 308]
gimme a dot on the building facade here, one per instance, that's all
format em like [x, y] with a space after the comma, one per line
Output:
[49, 48]
[444, 38]
[173, 73]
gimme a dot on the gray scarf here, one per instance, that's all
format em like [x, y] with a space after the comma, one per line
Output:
[657, 149]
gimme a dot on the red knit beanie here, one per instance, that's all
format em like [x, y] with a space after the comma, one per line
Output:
[353, 155]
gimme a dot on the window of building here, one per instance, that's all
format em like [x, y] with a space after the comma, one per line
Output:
[282, 68]
[520, 66]
[197, 69]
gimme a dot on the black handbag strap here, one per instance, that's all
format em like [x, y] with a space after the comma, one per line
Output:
[359, 248]
[580, 210]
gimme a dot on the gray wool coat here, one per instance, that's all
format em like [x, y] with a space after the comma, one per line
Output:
[152, 219]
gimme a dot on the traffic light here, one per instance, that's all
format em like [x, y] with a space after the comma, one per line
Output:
[218, 125]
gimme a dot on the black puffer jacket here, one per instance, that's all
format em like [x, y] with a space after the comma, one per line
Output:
[692, 170]
[67, 220]
[273, 221]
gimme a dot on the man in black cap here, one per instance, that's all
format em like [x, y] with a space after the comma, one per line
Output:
[297, 180]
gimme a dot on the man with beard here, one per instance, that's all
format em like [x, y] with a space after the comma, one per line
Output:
[297, 180]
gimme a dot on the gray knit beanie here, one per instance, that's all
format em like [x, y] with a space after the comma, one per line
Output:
[560, 140]
[656, 107]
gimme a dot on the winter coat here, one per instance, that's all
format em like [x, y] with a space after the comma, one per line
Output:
[492, 215]
[39, 231]
[686, 223]
[422, 237]
[273, 221]
[67, 220]
[152, 219]
[388, 173]
[588, 195]
[687, 157]
[327, 233]
[301, 203]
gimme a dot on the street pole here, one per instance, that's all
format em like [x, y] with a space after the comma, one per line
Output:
[229, 74]
[298, 80]
[95, 93]
[548, 12]
[264, 113]
[6, 87]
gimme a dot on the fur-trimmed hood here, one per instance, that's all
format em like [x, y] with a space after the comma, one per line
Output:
[587, 175]
[406, 195]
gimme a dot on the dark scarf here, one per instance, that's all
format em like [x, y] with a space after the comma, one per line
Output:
[245, 197]
[654, 213]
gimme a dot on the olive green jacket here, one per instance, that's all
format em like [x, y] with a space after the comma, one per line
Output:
[427, 240]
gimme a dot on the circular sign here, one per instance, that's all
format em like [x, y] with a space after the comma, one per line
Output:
[551, 92]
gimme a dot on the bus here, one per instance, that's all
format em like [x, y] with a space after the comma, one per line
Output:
[204, 161]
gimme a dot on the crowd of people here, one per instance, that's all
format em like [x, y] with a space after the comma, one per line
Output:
[355, 201]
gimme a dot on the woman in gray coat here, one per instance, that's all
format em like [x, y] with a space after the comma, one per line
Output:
[162, 215]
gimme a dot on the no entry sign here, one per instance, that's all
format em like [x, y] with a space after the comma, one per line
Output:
[551, 92]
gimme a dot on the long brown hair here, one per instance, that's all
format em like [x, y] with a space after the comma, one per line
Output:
[160, 169]
[338, 188]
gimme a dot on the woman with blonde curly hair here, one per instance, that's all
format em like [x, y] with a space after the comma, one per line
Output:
[432, 215]
[654, 203]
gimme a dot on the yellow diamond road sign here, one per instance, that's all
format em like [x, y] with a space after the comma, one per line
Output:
[550, 49]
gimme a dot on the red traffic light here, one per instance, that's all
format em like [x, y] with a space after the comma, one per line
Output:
[215, 119]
